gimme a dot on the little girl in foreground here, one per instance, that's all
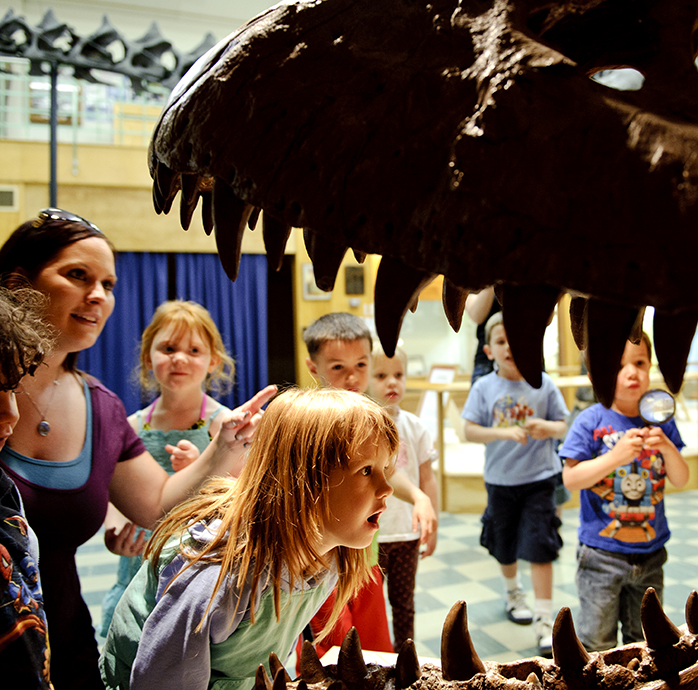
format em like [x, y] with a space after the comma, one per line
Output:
[182, 356]
[238, 571]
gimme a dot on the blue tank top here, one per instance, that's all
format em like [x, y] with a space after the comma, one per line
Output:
[71, 474]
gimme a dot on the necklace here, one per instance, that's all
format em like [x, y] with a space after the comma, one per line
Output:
[43, 427]
[196, 425]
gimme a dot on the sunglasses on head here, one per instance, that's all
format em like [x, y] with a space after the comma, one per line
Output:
[56, 214]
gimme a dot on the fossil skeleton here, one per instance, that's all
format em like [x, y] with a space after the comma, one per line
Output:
[463, 138]
[668, 660]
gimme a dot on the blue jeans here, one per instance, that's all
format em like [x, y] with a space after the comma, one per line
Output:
[611, 586]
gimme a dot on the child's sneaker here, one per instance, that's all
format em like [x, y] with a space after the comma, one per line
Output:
[517, 608]
[543, 628]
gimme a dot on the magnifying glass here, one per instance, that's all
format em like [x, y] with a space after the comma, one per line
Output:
[657, 406]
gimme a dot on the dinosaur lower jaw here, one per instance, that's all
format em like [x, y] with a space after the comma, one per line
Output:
[668, 659]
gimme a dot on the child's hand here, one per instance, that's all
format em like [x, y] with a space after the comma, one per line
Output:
[656, 438]
[629, 446]
[423, 516]
[430, 545]
[515, 433]
[126, 542]
[537, 428]
[182, 455]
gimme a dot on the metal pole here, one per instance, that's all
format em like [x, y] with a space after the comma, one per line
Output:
[53, 188]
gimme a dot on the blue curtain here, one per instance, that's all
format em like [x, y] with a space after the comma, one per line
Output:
[141, 286]
[239, 310]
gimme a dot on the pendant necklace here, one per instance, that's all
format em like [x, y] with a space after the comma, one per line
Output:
[43, 427]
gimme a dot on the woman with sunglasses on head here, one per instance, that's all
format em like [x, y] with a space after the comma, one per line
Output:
[73, 450]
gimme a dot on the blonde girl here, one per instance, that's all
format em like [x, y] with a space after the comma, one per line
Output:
[181, 357]
[238, 571]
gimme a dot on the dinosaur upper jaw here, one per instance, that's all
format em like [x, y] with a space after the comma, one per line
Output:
[462, 139]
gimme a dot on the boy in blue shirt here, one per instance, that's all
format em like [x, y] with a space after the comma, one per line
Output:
[519, 425]
[619, 465]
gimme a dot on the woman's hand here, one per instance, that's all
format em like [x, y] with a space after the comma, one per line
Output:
[182, 455]
[239, 425]
[129, 541]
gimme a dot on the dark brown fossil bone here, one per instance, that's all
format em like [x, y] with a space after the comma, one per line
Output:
[350, 663]
[568, 652]
[671, 665]
[464, 138]
[459, 660]
[311, 667]
[659, 631]
[407, 666]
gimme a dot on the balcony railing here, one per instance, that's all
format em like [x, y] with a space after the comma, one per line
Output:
[109, 113]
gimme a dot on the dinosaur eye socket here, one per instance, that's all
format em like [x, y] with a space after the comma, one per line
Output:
[625, 79]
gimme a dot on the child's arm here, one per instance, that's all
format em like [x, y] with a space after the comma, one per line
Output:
[478, 304]
[427, 483]
[544, 428]
[143, 491]
[122, 537]
[475, 433]
[423, 514]
[674, 463]
[579, 474]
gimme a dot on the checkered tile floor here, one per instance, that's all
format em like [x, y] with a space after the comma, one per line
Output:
[462, 569]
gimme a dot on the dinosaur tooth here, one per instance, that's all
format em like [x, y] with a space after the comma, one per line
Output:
[312, 670]
[160, 204]
[459, 660]
[578, 319]
[302, 685]
[275, 666]
[207, 211]
[166, 184]
[608, 328]
[692, 612]
[230, 214]
[261, 679]
[453, 300]
[254, 217]
[659, 631]
[533, 680]
[673, 335]
[350, 663]
[359, 255]
[526, 313]
[397, 286]
[568, 652]
[326, 257]
[635, 336]
[158, 198]
[280, 679]
[189, 198]
[275, 234]
[407, 668]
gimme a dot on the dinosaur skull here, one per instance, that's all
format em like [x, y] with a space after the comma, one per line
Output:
[667, 660]
[463, 138]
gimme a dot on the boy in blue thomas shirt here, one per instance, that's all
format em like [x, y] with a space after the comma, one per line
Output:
[619, 465]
